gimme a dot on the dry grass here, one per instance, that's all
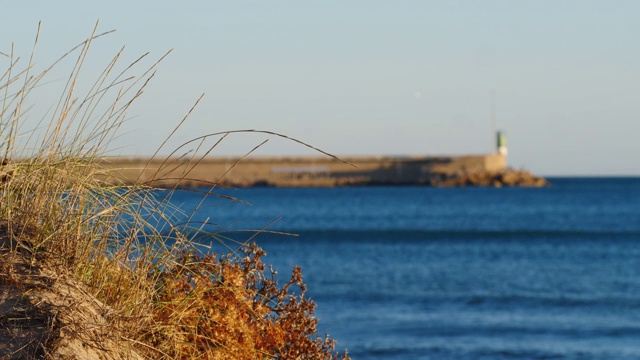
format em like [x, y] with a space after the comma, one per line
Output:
[157, 292]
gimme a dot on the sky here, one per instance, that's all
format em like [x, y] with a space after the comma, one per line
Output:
[368, 77]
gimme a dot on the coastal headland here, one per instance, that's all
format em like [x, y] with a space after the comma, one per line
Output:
[470, 170]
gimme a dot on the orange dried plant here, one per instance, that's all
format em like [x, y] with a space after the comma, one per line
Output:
[228, 309]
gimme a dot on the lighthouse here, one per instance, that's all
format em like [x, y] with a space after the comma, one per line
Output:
[501, 143]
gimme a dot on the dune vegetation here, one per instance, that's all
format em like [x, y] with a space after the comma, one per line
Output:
[94, 268]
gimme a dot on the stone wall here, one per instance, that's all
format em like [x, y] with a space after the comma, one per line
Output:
[303, 171]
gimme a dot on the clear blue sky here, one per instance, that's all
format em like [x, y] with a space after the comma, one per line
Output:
[374, 77]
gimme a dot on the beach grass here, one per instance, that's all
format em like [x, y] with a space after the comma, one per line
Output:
[64, 219]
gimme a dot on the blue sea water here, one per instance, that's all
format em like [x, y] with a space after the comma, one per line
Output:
[457, 273]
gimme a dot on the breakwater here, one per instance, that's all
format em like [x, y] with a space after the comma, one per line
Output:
[481, 170]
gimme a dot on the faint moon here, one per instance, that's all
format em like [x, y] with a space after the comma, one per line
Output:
[417, 94]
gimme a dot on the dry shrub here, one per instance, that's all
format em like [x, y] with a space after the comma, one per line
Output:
[61, 212]
[218, 308]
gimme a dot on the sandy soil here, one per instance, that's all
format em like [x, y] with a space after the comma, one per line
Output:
[47, 315]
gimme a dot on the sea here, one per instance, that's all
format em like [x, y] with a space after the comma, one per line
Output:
[454, 273]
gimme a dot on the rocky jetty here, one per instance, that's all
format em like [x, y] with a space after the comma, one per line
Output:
[508, 177]
[480, 170]
[504, 178]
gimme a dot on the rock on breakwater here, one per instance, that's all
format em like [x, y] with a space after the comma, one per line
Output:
[508, 177]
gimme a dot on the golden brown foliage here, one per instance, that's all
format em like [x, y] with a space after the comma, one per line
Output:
[218, 308]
